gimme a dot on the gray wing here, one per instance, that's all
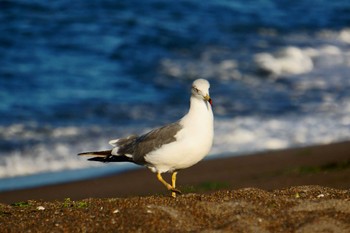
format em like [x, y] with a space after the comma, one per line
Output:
[140, 146]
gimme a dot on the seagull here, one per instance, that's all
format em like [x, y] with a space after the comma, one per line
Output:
[170, 148]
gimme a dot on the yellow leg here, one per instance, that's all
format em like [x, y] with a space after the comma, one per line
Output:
[173, 179]
[160, 178]
[167, 185]
[173, 183]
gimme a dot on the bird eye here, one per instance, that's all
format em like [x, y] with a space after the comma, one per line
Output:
[196, 89]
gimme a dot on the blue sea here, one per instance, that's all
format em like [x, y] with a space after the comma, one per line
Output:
[75, 74]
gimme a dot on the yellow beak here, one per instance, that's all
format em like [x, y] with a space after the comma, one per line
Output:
[207, 98]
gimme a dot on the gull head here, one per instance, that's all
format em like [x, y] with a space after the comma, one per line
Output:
[200, 89]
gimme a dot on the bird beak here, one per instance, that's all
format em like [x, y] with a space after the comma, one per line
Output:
[207, 98]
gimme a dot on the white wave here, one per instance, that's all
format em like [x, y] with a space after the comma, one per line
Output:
[48, 149]
[206, 67]
[290, 60]
[326, 50]
[40, 158]
[36, 132]
[43, 149]
[244, 135]
[239, 135]
[344, 35]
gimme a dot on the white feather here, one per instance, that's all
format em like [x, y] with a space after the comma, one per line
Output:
[193, 141]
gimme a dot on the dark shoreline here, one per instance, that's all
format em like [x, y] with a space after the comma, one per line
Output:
[325, 165]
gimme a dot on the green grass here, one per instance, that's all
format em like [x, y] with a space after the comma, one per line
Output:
[81, 204]
[329, 167]
[76, 204]
[205, 186]
[21, 204]
[305, 152]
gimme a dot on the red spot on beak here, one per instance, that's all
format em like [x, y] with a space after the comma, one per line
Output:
[210, 101]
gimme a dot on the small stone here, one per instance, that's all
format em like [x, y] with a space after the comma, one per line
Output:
[40, 208]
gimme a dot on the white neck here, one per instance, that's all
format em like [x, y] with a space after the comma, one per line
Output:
[200, 112]
[199, 105]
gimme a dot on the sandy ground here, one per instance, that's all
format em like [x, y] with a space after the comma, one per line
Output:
[297, 209]
[296, 190]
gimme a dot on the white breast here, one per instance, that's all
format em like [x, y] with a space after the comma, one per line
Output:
[193, 141]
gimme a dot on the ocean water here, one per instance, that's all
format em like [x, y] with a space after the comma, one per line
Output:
[75, 74]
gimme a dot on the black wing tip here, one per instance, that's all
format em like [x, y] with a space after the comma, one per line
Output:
[112, 158]
[92, 153]
[99, 159]
[106, 157]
